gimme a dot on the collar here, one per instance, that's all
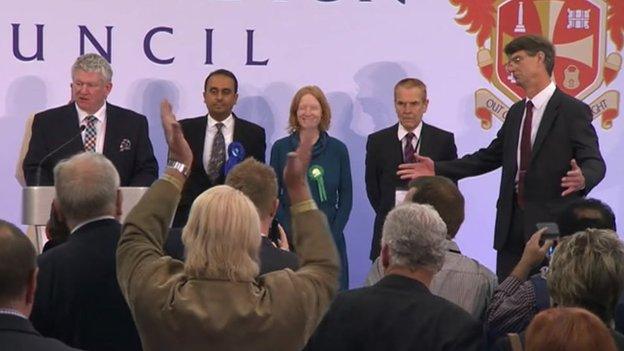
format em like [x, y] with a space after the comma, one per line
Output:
[543, 96]
[402, 132]
[99, 114]
[12, 312]
[452, 246]
[399, 282]
[227, 123]
[82, 224]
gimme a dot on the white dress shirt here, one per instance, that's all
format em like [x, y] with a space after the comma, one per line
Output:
[211, 130]
[100, 126]
[402, 132]
[539, 106]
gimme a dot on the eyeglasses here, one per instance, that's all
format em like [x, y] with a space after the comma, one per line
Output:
[515, 60]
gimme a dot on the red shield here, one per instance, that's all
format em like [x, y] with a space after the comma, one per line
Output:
[575, 27]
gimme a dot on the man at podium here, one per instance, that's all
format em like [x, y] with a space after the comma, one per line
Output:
[90, 123]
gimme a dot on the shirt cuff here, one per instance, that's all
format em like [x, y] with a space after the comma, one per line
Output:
[176, 182]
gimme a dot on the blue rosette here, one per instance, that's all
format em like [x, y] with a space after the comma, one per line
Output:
[236, 153]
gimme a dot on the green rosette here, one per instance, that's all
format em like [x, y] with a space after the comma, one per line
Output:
[316, 172]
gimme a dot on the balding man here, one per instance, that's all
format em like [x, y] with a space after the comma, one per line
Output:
[399, 312]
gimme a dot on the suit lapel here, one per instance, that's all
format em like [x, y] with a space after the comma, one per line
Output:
[112, 133]
[239, 133]
[550, 114]
[72, 126]
[424, 143]
[395, 147]
[197, 138]
[515, 119]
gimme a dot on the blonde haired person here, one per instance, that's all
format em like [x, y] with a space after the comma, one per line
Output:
[216, 298]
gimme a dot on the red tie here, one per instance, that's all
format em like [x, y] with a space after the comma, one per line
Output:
[408, 151]
[525, 151]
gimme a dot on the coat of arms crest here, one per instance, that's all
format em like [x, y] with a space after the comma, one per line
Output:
[577, 28]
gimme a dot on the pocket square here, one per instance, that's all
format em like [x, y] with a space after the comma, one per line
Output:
[125, 145]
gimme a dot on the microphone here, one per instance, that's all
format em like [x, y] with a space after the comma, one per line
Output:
[46, 157]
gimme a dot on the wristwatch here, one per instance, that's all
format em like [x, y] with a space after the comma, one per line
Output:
[180, 167]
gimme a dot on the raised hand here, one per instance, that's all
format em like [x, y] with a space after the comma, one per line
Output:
[533, 254]
[574, 180]
[424, 166]
[283, 239]
[179, 149]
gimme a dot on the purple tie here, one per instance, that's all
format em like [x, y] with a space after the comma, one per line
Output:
[408, 151]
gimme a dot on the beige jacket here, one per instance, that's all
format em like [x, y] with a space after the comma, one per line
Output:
[277, 311]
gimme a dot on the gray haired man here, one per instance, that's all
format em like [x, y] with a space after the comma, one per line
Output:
[90, 123]
[78, 299]
[399, 312]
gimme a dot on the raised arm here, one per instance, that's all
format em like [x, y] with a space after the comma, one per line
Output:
[146, 226]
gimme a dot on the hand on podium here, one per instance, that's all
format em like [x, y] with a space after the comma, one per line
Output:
[424, 166]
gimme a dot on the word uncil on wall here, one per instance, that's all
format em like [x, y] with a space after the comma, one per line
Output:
[85, 34]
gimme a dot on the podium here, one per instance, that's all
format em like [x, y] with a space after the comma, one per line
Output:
[36, 202]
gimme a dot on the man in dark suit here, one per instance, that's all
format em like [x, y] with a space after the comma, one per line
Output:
[399, 312]
[547, 148]
[78, 299]
[89, 123]
[18, 274]
[390, 147]
[219, 140]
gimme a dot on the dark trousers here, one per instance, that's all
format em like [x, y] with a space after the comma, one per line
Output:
[510, 254]
[508, 257]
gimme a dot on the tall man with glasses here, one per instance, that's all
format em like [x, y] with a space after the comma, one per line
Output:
[547, 148]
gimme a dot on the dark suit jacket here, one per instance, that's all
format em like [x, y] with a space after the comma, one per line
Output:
[397, 313]
[78, 299]
[384, 154]
[271, 257]
[54, 127]
[249, 134]
[564, 133]
[17, 334]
